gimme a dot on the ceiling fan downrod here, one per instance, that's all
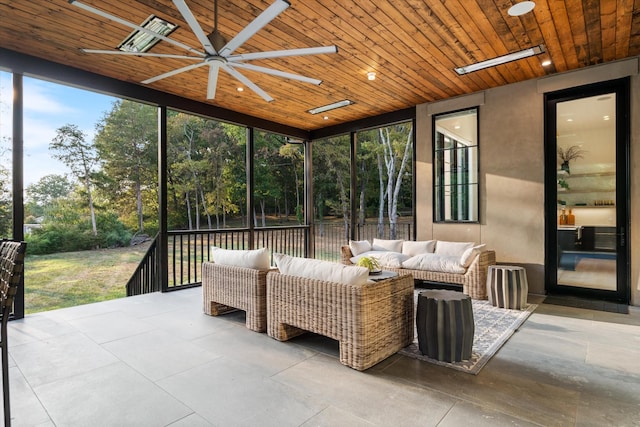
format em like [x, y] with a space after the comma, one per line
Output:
[216, 39]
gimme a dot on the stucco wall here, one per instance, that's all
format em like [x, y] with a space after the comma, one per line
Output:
[511, 121]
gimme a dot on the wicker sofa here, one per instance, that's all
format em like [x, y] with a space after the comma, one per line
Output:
[228, 288]
[473, 280]
[371, 321]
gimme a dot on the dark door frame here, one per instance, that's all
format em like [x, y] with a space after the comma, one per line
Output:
[623, 134]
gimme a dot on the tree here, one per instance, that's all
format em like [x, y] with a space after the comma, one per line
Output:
[331, 177]
[397, 143]
[69, 146]
[126, 142]
[6, 203]
[43, 193]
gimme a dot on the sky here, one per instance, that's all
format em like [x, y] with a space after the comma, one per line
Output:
[47, 107]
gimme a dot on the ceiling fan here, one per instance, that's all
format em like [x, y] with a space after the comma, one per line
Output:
[218, 53]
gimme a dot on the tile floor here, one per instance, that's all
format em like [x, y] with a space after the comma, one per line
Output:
[156, 360]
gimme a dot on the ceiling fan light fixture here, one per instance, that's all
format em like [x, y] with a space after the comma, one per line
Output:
[139, 41]
[329, 107]
[371, 75]
[510, 57]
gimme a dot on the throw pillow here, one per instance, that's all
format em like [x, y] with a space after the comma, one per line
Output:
[321, 270]
[470, 254]
[387, 245]
[256, 258]
[359, 246]
[412, 248]
[452, 248]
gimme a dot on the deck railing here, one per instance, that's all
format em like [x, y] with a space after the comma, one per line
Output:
[146, 277]
[188, 249]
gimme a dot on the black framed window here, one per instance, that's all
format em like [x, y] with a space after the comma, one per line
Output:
[455, 166]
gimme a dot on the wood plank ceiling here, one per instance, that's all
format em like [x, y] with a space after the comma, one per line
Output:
[412, 45]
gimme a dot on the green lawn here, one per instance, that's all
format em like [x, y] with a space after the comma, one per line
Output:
[75, 278]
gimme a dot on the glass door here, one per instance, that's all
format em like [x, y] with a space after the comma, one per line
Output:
[587, 220]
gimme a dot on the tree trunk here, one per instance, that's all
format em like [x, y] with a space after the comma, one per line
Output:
[204, 207]
[381, 196]
[186, 196]
[94, 227]
[139, 206]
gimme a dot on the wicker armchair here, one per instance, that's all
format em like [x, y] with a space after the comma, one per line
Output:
[11, 268]
[228, 288]
[370, 321]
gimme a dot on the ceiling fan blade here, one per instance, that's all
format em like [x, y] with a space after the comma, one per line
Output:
[154, 55]
[283, 53]
[214, 70]
[251, 85]
[278, 73]
[134, 26]
[195, 26]
[173, 72]
[263, 19]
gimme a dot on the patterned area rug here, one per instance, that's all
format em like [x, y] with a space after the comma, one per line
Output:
[493, 327]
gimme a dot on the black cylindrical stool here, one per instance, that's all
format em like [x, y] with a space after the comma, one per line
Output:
[444, 321]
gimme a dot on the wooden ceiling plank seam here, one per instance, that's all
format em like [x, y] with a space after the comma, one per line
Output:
[393, 71]
[634, 39]
[608, 29]
[447, 44]
[624, 17]
[509, 72]
[542, 18]
[510, 30]
[592, 20]
[578, 28]
[462, 15]
[408, 70]
[395, 17]
[565, 34]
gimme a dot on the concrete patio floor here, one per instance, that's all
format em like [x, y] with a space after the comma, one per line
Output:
[157, 360]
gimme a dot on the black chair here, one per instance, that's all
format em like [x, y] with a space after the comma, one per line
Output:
[11, 268]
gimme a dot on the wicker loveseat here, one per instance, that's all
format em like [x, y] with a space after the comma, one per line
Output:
[473, 279]
[371, 321]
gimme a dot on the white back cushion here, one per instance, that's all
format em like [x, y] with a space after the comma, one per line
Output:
[412, 248]
[385, 258]
[452, 248]
[435, 262]
[387, 245]
[256, 258]
[470, 254]
[359, 246]
[321, 270]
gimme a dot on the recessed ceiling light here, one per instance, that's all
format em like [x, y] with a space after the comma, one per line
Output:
[605, 117]
[325, 117]
[335, 105]
[569, 120]
[546, 63]
[371, 75]
[139, 41]
[521, 8]
[514, 56]
[240, 89]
